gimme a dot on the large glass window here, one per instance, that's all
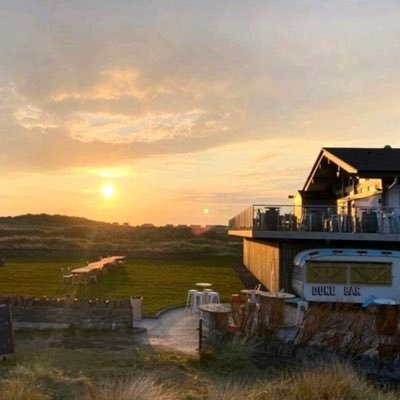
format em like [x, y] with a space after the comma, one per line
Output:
[371, 274]
[353, 273]
[326, 272]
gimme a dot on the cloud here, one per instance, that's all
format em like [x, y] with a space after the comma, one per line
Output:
[115, 82]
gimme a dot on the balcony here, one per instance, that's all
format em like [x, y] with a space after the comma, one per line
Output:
[318, 222]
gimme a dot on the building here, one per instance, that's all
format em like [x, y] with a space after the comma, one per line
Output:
[350, 199]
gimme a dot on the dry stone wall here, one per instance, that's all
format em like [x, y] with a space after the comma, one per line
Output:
[67, 312]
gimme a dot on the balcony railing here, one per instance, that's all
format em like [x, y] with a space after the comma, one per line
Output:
[262, 217]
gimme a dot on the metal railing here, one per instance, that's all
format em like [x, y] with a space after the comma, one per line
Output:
[318, 218]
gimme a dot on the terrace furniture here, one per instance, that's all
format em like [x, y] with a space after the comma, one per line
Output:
[82, 273]
[203, 284]
[271, 218]
[67, 278]
[206, 293]
[190, 299]
[275, 303]
[218, 317]
[213, 297]
[251, 295]
[198, 300]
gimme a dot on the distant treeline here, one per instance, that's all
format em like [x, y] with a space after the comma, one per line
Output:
[37, 234]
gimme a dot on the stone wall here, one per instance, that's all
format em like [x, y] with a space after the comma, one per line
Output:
[68, 312]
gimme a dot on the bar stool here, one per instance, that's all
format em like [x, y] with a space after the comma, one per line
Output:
[205, 294]
[198, 300]
[302, 307]
[213, 297]
[190, 298]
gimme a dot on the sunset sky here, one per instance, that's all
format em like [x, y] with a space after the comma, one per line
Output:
[186, 111]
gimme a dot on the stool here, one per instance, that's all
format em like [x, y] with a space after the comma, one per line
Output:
[205, 293]
[198, 301]
[302, 307]
[190, 298]
[213, 297]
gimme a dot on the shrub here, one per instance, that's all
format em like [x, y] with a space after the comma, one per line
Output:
[15, 388]
[38, 381]
[330, 382]
[135, 388]
[235, 356]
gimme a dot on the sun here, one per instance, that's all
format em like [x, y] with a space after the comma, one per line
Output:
[107, 190]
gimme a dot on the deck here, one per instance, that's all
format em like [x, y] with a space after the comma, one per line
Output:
[285, 222]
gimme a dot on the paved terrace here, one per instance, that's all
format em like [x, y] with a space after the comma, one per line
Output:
[176, 329]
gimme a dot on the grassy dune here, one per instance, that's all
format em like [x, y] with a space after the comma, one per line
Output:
[187, 379]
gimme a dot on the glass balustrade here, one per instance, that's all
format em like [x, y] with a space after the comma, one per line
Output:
[318, 218]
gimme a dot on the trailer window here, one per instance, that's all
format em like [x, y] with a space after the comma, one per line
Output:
[371, 274]
[326, 272]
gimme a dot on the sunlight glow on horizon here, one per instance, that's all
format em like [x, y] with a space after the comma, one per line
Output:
[108, 191]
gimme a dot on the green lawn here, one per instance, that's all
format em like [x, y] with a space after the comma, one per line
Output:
[161, 282]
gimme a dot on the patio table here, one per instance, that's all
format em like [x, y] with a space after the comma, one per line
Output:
[203, 285]
[218, 316]
[274, 304]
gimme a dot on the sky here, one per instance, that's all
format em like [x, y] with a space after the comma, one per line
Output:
[184, 111]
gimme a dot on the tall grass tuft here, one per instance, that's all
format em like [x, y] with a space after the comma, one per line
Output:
[236, 356]
[135, 388]
[229, 390]
[37, 380]
[329, 382]
[15, 388]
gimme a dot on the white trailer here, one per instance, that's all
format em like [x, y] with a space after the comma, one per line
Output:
[346, 275]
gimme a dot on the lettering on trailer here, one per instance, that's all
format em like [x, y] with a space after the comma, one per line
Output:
[329, 290]
[351, 291]
[323, 290]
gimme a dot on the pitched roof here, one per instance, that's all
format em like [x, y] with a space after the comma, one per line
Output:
[363, 162]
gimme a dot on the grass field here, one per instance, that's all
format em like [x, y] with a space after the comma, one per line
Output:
[161, 282]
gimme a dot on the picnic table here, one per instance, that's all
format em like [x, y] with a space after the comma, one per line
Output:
[91, 270]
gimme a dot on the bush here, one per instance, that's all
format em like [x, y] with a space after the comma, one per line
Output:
[136, 388]
[15, 388]
[330, 382]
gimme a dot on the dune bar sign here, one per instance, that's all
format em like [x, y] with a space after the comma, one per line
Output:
[6, 331]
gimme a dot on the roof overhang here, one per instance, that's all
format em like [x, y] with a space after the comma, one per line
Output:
[322, 173]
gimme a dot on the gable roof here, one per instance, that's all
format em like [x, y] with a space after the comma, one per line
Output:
[365, 160]
[362, 162]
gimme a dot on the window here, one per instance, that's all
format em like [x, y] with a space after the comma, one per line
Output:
[371, 274]
[353, 273]
[326, 272]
